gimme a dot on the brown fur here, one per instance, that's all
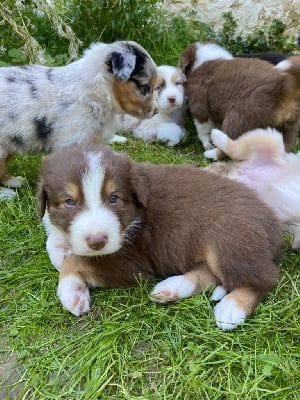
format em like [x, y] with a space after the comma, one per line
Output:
[243, 94]
[212, 229]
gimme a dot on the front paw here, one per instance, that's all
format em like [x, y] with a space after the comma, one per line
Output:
[169, 134]
[172, 289]
[74, 295]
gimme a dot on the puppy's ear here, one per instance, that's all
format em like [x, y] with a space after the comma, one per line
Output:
[185, 65]
[122, 64]
[187, 59]
[140, 184]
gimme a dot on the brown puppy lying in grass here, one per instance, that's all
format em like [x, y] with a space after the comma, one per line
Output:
[111, 220]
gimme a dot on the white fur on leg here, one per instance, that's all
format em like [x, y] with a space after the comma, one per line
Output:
[169, 133]
[228, 315]
[172, 289]
[74, 295]
[219, 138]
[203, 131]
[56, 251]
[218, 293]
[56, 245]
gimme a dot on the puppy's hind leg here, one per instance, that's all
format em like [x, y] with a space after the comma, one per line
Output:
[233, 308]
[5, 178]
[183, 286]
[259, 144]
[234, 149]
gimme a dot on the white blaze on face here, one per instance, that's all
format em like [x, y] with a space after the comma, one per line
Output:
[96, 219]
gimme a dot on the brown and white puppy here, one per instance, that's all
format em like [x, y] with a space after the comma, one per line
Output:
[167, 125]
[261, 162]
[43, 109]
[111, 221]
[240, 94]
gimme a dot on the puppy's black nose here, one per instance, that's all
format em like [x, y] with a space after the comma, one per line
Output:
[96, 241]
[155, 111]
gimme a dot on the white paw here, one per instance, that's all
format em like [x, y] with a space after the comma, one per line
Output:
[14, 181]
[218, 293]
[74, 295]
[118, 139]
[172, 289]
[228, 315]
[219, 138]
[7, 194]
[170, 134]
[211, 154]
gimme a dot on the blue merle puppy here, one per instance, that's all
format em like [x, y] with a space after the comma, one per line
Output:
[43, 109]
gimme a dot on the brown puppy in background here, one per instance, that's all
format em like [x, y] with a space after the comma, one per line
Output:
[239, 94]
[111, 220]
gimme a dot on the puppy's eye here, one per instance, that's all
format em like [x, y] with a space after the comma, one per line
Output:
[113, 198]
[145, 89]
[70, 202]
[158, 87]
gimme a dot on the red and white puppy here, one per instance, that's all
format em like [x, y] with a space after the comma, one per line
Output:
[240, 94]
[261, 162]
[167, 125]
[111, 221]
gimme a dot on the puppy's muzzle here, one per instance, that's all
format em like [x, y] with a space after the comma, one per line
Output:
[97, 241]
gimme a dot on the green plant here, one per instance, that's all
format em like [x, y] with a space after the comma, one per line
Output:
[271, 39]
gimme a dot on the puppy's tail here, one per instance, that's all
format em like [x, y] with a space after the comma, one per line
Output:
[291, 66]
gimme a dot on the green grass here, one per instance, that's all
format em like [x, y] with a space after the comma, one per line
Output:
[128, 347]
